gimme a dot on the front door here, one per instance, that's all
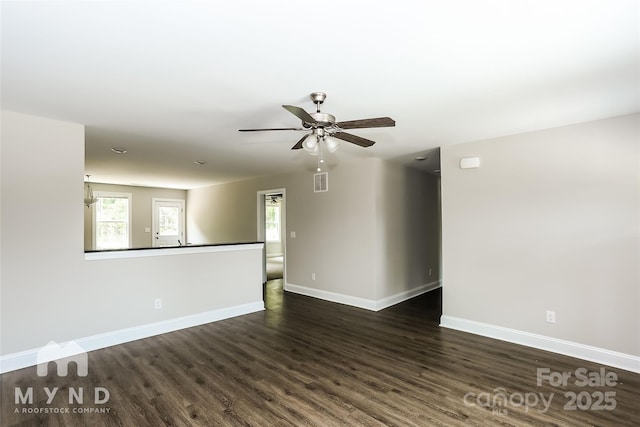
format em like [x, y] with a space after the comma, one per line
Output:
[168, 222]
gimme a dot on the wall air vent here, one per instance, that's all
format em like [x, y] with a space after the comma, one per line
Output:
[320, 182]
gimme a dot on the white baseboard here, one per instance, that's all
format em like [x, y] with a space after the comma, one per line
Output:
[568, 348]
[24, 359]
[406, 295]
[367, 304]
[330, 296]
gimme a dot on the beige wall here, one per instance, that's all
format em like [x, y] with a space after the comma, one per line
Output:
[141, 211]
[333, 229]
[408, 228]
[49, 291]
[222, 213]
[550, 221]
[373, 234]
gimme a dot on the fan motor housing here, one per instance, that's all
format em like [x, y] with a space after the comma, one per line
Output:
[324, 119]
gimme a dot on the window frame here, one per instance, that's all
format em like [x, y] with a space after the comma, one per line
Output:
[106, 195]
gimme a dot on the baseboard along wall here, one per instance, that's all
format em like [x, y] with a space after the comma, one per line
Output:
[568, 348]
[367, 304]
[24, 359]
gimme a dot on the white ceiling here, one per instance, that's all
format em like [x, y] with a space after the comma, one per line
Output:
[173, 81]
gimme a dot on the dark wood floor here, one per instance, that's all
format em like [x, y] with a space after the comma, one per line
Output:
[308, 362]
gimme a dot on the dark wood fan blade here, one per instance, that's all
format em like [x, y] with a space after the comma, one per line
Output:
[363, 142]
[379, 122]
[299, 143]
[258, 130]
[300, 113]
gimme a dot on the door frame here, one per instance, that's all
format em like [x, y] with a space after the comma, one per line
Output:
[154, 218]
[261, 226]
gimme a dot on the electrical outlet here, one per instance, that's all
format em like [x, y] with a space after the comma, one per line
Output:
[430, 272]
[551, 316]
[313, 276]
[157, 303]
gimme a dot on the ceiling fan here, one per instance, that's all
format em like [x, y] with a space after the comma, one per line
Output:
[324, 127]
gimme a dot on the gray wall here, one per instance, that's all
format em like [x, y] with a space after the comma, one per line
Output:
[333, 230]
[141, 211]
[550, 221]
[408, 228]
[222, 213]
[49, 291]
[373, 234]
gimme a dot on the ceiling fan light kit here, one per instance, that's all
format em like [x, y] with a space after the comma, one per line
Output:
[310, 145]
[325, 131]
[331, 143]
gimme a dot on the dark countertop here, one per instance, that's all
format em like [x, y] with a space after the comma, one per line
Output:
[173, 247]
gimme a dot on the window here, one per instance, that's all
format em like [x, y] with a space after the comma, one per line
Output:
[168, 220]
[272, 229]
[111, 221]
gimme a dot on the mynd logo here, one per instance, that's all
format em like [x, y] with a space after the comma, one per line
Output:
[62, 355]
[46, 397]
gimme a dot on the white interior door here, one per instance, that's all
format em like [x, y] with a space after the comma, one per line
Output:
[168, 222]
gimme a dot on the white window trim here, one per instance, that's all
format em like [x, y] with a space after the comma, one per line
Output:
[98, 194]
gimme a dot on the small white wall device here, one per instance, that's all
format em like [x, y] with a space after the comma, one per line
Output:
[469, 162]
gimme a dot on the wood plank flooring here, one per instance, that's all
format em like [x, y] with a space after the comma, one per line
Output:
[306, 362]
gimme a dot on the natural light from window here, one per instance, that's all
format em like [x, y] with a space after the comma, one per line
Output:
[168, 221]
[111, 221]
[272, 223]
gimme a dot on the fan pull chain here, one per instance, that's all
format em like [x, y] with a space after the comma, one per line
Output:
[320, 151]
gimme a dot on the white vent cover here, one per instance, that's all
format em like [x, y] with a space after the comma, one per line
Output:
[320, 182]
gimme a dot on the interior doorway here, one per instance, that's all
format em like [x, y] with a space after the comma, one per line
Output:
[272, 231]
